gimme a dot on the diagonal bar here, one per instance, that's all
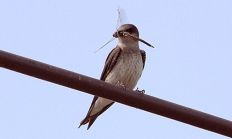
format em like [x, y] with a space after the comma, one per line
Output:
[132, 98]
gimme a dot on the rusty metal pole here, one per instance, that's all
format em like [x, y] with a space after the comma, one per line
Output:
[131, 98]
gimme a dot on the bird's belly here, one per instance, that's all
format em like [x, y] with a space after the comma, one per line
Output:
[127, 72]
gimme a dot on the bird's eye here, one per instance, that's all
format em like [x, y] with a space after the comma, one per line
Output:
[120, 33]
[129, 30]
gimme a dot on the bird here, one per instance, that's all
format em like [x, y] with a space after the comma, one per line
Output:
[123, 67]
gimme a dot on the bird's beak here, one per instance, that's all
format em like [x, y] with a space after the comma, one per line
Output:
[121, 33]
[115, 34]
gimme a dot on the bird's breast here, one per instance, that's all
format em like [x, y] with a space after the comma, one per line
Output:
[127, 70]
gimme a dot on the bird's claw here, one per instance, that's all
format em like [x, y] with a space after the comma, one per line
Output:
[140, 91]
[121, 85]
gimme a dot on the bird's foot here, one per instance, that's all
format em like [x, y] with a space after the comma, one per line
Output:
[140, 91]
[121, 85]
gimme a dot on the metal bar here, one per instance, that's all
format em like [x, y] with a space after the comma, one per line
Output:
[132, 98]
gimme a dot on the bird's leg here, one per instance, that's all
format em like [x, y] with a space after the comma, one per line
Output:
[121, 84]
[140, 91]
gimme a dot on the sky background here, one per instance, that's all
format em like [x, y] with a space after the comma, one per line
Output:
[190, 65]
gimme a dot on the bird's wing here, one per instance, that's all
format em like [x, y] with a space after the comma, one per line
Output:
[111, 60]
[143, 54]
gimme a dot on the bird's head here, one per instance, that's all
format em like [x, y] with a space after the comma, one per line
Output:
[125, 31]
[128, 34]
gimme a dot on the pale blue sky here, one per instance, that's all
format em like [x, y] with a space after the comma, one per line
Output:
[190, 65]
